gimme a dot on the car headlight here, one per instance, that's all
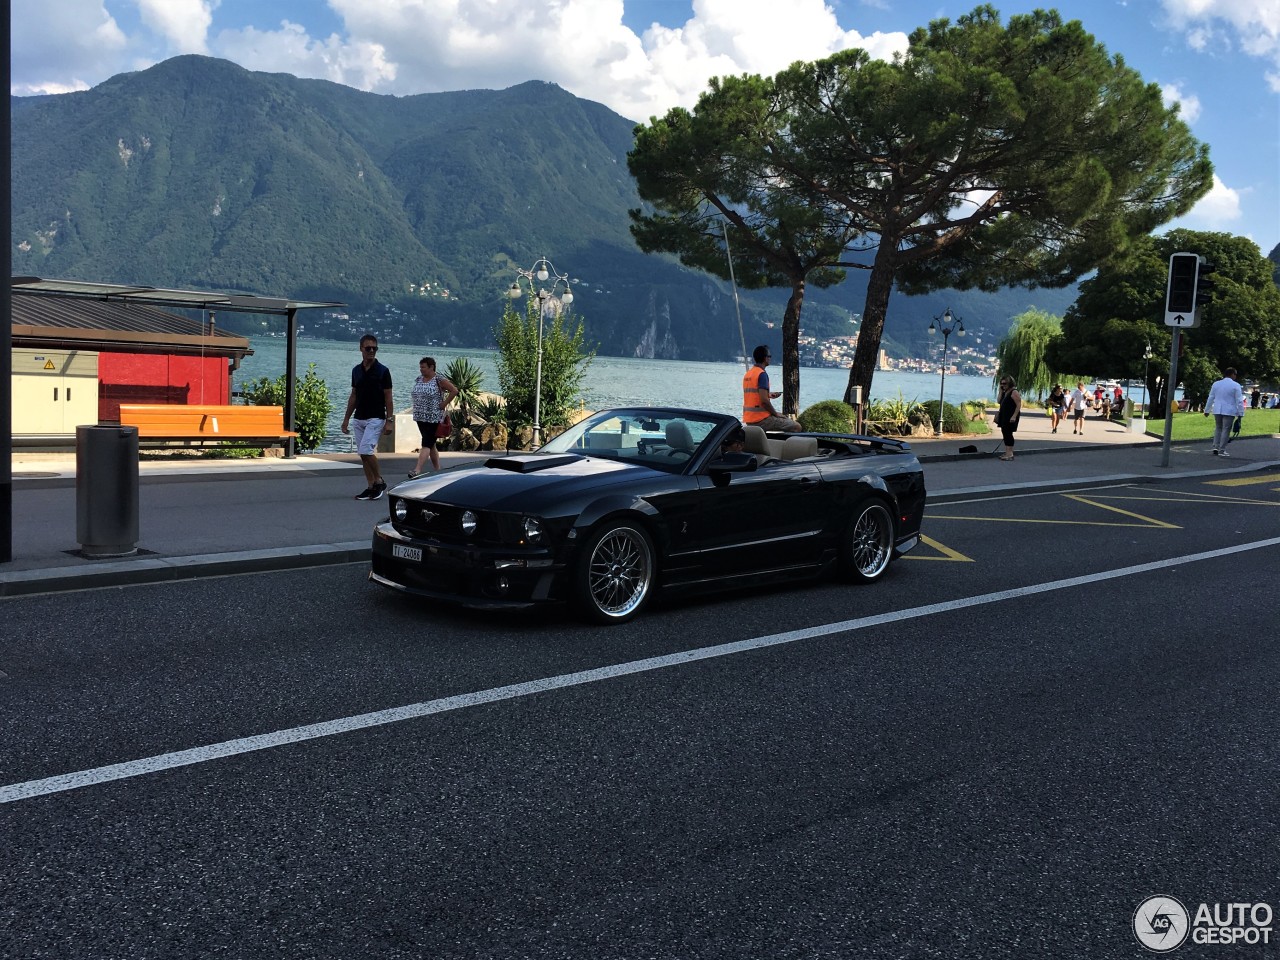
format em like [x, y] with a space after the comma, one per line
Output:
[400, 510]
[532, 529]
[468, 522]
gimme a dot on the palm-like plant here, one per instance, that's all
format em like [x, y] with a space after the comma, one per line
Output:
[468, 378]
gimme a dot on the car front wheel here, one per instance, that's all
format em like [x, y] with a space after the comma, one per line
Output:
[615, 573]
[868, 542]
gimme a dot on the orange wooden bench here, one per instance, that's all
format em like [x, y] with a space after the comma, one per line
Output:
[199, 423]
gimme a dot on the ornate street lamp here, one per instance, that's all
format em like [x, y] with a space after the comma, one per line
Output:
[541, 271]
[948, 324]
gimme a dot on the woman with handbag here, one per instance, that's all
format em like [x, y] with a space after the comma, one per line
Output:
[432, 395]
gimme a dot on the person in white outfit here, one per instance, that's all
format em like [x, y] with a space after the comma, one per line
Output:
[1226, 402]
[1079, 401]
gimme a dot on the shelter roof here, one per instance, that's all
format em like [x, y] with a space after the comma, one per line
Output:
[158, 296]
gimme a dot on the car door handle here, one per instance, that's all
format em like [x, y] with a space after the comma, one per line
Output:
[808, 480]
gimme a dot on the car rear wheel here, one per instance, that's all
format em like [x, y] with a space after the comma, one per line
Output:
[615, 573]
[868, 542]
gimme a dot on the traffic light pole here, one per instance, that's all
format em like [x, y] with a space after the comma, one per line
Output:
[1168, 395]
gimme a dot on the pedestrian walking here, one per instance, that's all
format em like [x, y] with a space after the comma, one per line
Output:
[1225, 402]
[369, 411]
[1057, 406]
[432, 395]
[1079, 402]
[1009, 413]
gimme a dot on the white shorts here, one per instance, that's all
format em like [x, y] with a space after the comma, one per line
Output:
[366, 434]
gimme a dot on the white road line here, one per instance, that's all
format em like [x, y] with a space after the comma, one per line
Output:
[330, 728]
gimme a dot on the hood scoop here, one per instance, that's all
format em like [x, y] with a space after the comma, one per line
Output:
[531, 462]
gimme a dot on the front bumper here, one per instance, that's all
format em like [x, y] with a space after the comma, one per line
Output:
[475, 576]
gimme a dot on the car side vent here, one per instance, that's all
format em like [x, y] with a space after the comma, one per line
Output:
[532, 462]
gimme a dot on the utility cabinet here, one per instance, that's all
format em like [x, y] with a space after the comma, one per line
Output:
[54, 391]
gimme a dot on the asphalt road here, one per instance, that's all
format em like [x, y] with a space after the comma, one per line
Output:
[1044, 717]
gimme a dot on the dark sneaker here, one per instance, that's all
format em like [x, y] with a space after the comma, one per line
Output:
[377, 490]
[366, 495]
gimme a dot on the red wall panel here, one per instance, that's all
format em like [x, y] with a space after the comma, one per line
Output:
[159, 378]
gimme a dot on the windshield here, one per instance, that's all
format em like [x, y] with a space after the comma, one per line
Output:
[662, 439]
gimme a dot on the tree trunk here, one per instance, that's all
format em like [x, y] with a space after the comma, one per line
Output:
[791, 350]
[866, 358]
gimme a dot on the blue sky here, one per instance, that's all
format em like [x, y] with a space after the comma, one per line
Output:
[1220, 59]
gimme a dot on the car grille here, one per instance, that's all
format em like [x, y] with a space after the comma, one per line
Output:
[443, 522]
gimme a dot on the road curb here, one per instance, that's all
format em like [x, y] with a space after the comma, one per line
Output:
[152, 569]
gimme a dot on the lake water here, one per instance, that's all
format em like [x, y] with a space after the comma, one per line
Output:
[609, 381]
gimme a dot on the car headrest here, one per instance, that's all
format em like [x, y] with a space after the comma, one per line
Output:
[757, 442]
[794, 448]
[678, 436]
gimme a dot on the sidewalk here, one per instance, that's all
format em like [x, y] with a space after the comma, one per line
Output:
[213, 517]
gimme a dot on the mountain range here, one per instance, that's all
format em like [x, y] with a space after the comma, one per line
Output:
[197, 173]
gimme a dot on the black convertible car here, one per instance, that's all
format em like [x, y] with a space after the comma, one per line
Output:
[632, 500]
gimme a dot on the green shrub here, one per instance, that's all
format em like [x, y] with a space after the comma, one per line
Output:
[491, 410]
[829, 416]
[953, 421]
[311, 403]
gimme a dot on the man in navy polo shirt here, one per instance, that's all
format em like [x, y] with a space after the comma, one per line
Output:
[371, 404]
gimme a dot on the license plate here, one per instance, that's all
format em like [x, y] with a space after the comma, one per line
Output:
[406, 553]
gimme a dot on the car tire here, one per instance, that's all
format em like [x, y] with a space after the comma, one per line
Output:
[614, 575]
[867, 545]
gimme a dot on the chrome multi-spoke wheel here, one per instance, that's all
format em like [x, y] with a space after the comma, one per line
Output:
[868, 545]
[615, 573]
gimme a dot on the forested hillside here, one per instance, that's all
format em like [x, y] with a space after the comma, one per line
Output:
[198, 173]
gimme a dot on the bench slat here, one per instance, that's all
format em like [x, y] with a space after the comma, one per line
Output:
[205, 422]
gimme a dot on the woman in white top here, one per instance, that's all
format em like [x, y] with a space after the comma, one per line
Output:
[432, 394]
[1226, 402]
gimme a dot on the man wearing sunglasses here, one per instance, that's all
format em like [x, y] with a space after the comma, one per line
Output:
[370, 403]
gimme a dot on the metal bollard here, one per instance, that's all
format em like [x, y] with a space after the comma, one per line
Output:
[107, 490]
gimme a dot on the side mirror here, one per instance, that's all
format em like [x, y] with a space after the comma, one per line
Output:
[734, 463]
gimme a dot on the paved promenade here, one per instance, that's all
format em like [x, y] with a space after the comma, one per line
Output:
[212, 517]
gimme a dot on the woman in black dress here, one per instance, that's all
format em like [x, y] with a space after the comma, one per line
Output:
[1009, 413]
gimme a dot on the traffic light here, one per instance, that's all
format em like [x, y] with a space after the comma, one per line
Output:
[1204, 283]
[1180, 297]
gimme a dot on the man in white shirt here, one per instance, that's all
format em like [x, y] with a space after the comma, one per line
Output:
[1226, 402]
[1079, 400]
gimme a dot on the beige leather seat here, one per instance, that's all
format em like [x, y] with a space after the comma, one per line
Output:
[796, 448]
[679, 437]
[759, 443]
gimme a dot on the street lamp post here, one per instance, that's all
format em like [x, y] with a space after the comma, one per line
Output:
[948, 324]
[541, 271]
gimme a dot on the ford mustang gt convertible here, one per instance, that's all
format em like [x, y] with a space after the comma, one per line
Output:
[632, 501]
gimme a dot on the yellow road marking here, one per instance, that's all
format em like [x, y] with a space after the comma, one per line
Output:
[1245, 481]
[1191, 496]
[1137, 516]
[947, 553]
[1061, 523]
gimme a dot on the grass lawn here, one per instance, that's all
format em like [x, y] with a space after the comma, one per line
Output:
[1196, 426]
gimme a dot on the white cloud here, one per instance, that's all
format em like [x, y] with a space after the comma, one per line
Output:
[357, 64]
[1188, 103]
[412, 46]
[182, 23]
[1250, 26]
[1218, 209]
[50, 55]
